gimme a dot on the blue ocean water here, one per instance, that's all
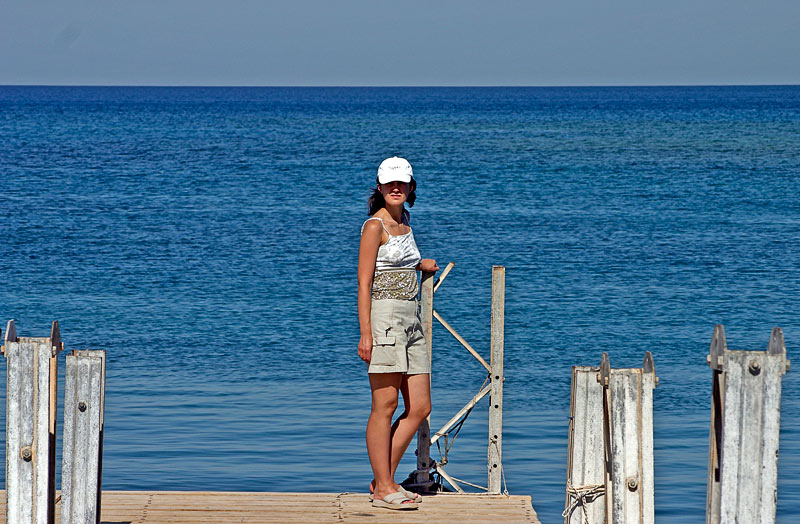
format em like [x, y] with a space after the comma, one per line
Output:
[207, 239]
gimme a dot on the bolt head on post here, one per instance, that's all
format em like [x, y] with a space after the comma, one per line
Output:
[633, 484]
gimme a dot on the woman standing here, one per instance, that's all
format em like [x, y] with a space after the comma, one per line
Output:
[392, 341]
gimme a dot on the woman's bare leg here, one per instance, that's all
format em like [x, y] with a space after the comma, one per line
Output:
[416, 391]
[385, 388]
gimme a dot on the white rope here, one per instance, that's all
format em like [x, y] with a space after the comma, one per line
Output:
[505, 486]
[502, 469]
[581, 496]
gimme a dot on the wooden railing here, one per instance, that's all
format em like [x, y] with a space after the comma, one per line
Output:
[493, 386]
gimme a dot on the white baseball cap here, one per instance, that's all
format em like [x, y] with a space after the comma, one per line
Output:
[394, 169]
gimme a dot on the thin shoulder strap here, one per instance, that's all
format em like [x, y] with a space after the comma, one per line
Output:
[376, 218]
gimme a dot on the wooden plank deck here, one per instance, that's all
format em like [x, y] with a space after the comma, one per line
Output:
[195, 507]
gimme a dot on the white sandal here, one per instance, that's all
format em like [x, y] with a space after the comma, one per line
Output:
[416, 497]
[396, 501]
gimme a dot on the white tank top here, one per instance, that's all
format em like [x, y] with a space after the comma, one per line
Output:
[399, 252]
[395, 277]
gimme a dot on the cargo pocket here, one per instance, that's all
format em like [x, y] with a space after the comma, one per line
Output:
[383, 352]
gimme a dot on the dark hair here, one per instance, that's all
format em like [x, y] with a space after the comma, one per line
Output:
[376, 200]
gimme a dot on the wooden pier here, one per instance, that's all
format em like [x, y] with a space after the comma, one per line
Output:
[609, 472]
[31, 497]
[198, 507]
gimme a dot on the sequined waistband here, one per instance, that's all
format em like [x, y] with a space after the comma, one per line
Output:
[397, 284]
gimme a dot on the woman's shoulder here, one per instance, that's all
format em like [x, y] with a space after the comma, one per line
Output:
[375, 220]
[372, 224]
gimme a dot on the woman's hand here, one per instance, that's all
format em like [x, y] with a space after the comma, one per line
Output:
[428, 265]
[365, 348]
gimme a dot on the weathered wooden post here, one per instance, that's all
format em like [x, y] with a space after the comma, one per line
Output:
[603, 378]
[84, 403]
[495, 453]
[632, 443]
[714, 359]
[611, 445]
[424, 462]
[745, 426]
[586, 464]
[31, 425]
[631, 417]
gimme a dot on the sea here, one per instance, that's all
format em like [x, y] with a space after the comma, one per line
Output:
[206, 238]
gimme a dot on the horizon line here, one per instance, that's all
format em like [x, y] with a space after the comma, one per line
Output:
[400, 86]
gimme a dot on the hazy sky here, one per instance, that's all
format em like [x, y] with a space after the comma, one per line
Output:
[433, 42]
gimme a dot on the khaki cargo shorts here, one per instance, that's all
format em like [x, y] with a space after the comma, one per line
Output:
[398, 343]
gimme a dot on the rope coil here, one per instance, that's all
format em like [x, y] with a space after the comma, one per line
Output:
[581, 496]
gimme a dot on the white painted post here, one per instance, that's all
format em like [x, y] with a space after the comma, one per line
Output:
[748, 467]
[586, 472]
[30, 425]
[630, 394]
[495, 454]
[424, 462]
[84, 405]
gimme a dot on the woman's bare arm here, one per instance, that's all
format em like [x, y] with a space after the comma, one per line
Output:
[367, 254]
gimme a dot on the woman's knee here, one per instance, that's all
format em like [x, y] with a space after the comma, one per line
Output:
[419, 410]
[384, 406]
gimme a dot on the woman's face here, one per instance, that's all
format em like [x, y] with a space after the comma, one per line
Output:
[395, 192]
